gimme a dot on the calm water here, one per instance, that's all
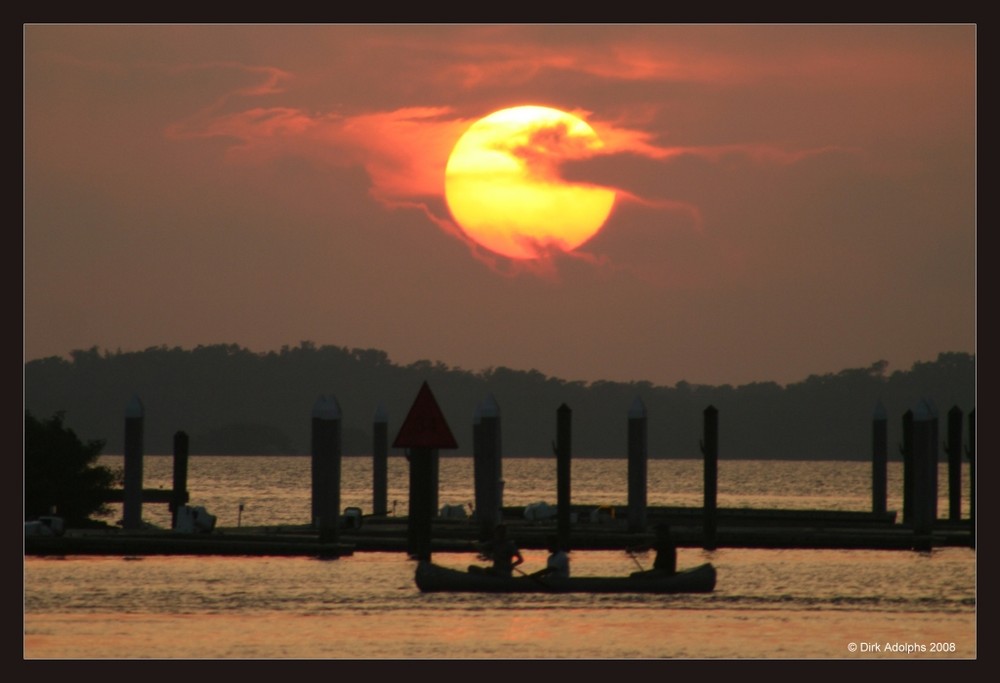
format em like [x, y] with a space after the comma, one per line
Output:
[798, 604]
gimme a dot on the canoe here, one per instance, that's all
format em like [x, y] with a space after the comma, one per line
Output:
[434, 578]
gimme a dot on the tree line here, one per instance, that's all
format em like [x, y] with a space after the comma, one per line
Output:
[230, 400]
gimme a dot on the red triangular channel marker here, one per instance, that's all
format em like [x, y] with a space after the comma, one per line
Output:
[425, 426]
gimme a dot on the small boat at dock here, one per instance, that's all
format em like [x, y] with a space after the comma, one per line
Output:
[435, 578]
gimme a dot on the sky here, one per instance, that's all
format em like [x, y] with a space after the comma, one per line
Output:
[789, 200]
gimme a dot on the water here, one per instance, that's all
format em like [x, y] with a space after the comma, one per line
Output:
[798, 604]
[276, 490]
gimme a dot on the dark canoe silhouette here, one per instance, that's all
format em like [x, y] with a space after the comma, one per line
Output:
[434, 578]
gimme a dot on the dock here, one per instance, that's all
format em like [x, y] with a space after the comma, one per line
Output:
[425, 430]
[737, 528]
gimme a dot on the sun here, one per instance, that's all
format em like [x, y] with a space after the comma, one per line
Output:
[503, 186]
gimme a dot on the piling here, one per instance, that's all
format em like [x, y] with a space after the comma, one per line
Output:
[326, 455]
[380, 462]
[970, 451]
[422, 507]
[179, 494]
[924, 476]
[906, 452]
[493, 431]
[487, 467]
[478, 469]
[132, 501]
[563, 449]
[936, 442]
[710, 453]
[954, 450]
[314, 463]
[880, 459]
[637, 465]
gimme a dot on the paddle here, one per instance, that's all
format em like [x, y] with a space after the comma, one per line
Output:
[532, 576]
[641, 568]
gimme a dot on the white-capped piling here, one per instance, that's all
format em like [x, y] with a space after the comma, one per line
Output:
[132, 501]
[564, 455]
[326, 455]
[491, 415]
[954, 450]
[710, 452]
[936, 440]
[637, 465]
[478, 470]
[924, 475]
[380, 461]
[906, 452]
[880, 458]
[487, 466]
[179, 494]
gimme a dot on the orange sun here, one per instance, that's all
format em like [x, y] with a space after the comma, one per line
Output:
[503, 186]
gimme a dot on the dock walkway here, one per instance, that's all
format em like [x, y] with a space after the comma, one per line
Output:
[736, 528]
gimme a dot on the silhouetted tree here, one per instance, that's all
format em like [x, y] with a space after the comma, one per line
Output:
[59, 472]
[206, 390]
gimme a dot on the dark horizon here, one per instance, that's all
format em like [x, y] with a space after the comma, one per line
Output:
[232, 400]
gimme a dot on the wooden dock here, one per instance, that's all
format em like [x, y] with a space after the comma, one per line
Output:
[737, 528]
[578, 527]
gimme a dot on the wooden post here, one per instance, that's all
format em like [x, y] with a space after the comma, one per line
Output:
[315, 466]
[906, 451]
[637, 465]
[710, 452]
[132, 501]
[970, 451]
[479, 473]
[935, 455]
[421, 503]
[489, 501]
[494, 426]
[179, 495]
[954, 450]
[492, 442]
[326, 454]
[924, 474]
[563, 449]
[380, 462]
[880, 459]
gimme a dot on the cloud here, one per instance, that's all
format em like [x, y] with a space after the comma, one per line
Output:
[404, 150]
[243, 174]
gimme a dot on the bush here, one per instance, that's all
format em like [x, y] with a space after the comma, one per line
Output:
[60, 474]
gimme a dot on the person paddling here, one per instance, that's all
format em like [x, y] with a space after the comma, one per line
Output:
[557, 565]
[666, 552]
[503, 552]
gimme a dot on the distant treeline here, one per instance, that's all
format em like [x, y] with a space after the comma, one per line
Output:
[230, 400]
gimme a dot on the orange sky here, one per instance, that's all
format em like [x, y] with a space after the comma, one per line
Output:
[792, 199]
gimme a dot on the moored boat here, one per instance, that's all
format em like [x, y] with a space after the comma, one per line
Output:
[435, 578]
